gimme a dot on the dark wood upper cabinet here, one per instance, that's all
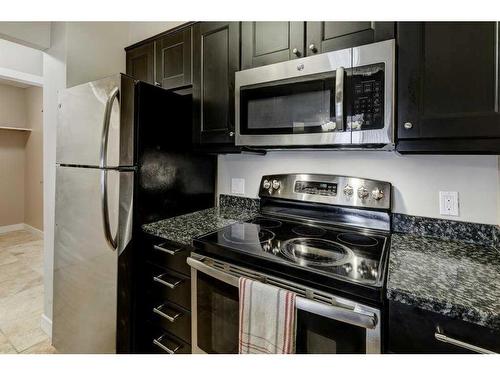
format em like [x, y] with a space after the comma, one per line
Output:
[331, 36]
[216, 59]
[173, 59]
[264, 43]
[140, 62]
[448, 87]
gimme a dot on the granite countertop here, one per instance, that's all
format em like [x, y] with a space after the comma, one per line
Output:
[453, 278]
[451, 268]
[182, 229]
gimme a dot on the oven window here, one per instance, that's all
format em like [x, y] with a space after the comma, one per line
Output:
[320, 335]
[295, 106]
[217, 316]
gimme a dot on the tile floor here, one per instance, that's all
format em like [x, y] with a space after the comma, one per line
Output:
[21, 294]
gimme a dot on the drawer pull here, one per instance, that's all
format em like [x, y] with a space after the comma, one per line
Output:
[167, 312]
[461, 344]
[162, 247]
[168, 280]
[167, 344]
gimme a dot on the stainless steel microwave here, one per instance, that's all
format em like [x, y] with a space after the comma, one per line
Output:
[337, 99]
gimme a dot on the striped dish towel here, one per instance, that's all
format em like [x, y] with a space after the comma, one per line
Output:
[267, 319]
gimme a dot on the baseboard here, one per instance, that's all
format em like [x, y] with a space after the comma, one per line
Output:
[33, 229]
[46, 325]
[11, 228]
[20, 226]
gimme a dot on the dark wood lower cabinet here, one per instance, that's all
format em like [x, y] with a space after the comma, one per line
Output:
[413, 330]
[163, 300]
[216, 59]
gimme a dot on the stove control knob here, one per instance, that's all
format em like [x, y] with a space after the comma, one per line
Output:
[362, 192]
[266, 184]
[377, 194]
[348, 190]
[276, 184]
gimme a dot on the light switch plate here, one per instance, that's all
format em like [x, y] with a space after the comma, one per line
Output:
[448, 203]
[238, 186]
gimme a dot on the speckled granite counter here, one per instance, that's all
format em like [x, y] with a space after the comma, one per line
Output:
[182, 229]
[453, 278]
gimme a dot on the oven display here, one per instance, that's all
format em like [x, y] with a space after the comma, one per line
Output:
[314, 187]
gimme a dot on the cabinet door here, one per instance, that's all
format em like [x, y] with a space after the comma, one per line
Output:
[448, 81]
[140, 62]
[173, 59]
[216, 59]
[264, 43]
[331, 36]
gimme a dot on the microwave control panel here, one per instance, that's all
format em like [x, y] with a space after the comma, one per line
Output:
[368, 97]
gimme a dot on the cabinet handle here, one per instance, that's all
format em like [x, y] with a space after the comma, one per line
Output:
[461, 344]
[157, 84]
[164, 340]
[168, 280]
[167, 250]
[408, 125]
[312, 48]
[231, 134]
[167, 312]
[296, 52]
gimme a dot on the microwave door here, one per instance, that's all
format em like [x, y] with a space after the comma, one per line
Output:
[295, 103]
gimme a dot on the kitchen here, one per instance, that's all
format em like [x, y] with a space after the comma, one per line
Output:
[326, 169]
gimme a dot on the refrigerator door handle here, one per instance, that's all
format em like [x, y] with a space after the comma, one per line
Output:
[105, 127]
[112, 241]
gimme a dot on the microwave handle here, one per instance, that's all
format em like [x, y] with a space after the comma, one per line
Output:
[339, 98]
[358, 318]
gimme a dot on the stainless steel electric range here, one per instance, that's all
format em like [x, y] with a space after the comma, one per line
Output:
[324, 237]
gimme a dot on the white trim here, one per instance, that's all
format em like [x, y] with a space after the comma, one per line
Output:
[33, 229]
[12, 228]
[46, 325]
[21, 77]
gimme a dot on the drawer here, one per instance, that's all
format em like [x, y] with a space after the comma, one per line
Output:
[173, 319]
[414, 330]
[169, 255]
[171, 286]
[165, 343]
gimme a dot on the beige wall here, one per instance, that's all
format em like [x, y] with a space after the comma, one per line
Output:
[12, 114]
[21, 199]
[33, 167]
[12, 107]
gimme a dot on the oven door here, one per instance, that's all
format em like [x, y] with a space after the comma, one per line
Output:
[294, 103]
[325, 323]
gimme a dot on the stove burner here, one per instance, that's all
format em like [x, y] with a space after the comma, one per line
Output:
[246, 234]
[309, 231]
[357, 239]
[315, 252]
[266, 223]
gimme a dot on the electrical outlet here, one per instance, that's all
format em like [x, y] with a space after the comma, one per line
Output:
[238, 186]
[448, 203]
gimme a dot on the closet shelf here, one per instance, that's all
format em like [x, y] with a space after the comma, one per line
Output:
[14, 129]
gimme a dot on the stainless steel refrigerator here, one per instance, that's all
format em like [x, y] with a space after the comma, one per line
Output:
[124, 158]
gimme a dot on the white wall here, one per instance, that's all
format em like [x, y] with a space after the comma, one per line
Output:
[142, 30]
[31, 34]
[54, 73]
[94, 50]
[417, 179]
[20, 58]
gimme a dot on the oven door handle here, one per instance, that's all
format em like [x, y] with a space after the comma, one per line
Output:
[339, 98]
[362, 319]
